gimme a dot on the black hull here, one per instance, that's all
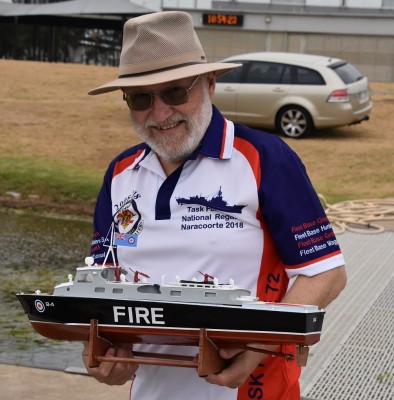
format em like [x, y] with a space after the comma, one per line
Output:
[68, 318]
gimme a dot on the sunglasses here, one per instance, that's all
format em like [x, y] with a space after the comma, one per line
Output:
[172, 96]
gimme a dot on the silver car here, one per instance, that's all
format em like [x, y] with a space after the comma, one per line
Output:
[292, 93]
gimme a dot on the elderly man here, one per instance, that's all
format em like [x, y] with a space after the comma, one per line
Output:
[276, 228]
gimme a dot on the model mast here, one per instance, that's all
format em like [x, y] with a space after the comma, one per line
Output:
[111, 246]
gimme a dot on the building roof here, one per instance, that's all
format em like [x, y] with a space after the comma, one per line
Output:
[93, 14]
[74, 7]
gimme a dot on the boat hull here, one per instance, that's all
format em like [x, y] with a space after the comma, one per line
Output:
[157, 322]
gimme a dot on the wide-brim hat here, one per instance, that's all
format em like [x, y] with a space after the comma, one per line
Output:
[158, 48]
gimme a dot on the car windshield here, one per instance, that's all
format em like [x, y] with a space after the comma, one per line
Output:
[347, 72]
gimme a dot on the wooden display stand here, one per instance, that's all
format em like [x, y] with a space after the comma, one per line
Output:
[206, 362]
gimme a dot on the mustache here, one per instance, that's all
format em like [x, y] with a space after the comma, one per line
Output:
[174, 118]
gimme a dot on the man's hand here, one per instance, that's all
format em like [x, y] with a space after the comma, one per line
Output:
[243, 363]
[112, 373]
[320, 290]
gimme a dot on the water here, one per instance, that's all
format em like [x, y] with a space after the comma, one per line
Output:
[36, 253]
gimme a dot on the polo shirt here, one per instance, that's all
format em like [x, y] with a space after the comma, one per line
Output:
[241, 207]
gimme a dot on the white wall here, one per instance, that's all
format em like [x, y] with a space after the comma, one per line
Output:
[206, 4]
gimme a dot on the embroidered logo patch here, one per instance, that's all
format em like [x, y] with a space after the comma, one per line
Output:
[129, 223]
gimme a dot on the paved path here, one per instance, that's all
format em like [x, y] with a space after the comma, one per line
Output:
[19, 383]
[355, 358]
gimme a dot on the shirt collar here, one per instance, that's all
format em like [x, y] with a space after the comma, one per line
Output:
[219, 138]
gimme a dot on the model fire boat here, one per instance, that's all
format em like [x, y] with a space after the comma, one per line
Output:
[105, 304]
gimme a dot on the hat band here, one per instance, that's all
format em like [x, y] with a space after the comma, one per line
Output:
[160, 70]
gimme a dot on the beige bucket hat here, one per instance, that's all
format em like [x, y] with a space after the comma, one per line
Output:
[160, 47]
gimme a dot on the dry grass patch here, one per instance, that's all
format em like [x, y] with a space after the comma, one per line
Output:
[46, 114]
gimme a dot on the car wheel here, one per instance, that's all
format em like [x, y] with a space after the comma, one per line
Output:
[294, 122]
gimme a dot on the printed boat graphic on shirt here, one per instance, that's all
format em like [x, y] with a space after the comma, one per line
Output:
[216, 202]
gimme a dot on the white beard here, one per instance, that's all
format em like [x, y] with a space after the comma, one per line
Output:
[177, 147]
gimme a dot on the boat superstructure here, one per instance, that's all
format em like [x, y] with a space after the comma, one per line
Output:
[96, 281]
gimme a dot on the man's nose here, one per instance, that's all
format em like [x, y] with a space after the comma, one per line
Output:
[160, 110]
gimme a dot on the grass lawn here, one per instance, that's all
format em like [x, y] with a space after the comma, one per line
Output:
[56, 141]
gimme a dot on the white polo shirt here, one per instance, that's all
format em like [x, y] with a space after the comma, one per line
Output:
[241, 207]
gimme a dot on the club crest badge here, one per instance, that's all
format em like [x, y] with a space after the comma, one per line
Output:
[129, 223]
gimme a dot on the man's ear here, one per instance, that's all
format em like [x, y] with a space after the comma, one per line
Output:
[211, 79]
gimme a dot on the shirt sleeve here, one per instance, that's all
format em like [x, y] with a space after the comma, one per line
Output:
[296, 219]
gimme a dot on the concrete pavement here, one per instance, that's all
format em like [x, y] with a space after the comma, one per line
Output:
[17, 383]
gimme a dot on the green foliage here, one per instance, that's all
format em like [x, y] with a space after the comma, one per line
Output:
[48, 179]
[385, 377]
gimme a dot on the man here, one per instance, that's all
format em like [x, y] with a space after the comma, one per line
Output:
[251, 212]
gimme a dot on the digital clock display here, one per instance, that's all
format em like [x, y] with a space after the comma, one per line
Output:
[223, 19]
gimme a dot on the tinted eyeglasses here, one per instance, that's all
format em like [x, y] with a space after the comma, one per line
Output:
[172, 96]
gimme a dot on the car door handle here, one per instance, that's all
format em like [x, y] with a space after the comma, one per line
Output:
[278, 90]
[229, 89]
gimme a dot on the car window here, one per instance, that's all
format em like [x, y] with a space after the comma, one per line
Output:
[301, 76]
[264, 72]
[233, 76]
[272, 73]
[289, 73]
[347, 72]
[307, 76]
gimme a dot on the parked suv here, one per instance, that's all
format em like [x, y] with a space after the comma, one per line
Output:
[293, 93]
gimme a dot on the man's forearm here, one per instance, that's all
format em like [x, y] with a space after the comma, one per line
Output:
[318, 290]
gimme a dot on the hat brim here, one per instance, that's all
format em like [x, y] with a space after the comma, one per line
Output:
[155, 78]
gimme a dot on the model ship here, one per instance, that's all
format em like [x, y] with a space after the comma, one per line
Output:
[106, 304]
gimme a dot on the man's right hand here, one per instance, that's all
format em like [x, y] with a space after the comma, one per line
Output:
[112, 373]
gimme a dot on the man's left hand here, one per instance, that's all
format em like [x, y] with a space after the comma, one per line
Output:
[243, 363]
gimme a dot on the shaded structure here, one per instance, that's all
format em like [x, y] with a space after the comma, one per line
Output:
[76, 30]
